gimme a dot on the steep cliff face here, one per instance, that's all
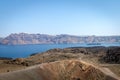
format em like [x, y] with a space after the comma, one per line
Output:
[24, 38]
[59, 70]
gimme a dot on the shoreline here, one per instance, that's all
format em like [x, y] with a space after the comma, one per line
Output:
[31, 54]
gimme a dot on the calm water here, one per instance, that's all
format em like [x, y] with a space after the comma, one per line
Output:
[15, 51]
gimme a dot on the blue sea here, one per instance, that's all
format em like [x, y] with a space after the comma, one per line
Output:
[17, 51]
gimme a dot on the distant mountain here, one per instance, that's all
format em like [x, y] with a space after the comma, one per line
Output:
[24, 38]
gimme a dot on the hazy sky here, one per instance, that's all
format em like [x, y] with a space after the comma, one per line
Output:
[76, 17]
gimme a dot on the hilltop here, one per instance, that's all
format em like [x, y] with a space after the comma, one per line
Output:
[61, 70]
[24, 38]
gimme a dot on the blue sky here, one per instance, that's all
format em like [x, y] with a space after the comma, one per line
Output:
[75, 17]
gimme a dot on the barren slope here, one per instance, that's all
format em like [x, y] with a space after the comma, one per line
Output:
[59, 70]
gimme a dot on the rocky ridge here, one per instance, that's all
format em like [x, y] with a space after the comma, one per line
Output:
[60, 70]
[24, 38]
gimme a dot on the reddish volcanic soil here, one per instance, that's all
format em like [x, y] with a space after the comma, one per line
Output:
[61, 70]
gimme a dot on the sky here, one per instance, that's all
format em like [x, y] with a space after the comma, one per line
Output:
[74, 17]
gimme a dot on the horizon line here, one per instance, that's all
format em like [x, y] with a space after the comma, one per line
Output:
[56, 34]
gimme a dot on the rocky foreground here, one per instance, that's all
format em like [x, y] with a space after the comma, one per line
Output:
[60, 70]
[91, 63]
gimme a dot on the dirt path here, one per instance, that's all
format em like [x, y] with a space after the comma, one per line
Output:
[109, 72]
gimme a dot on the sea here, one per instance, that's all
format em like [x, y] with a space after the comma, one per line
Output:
[22, 51]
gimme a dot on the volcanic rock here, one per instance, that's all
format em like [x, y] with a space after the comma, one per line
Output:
[59, 70]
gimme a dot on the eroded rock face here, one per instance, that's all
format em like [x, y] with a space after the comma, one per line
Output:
[59, 70]
[17, 61]
[25, 38]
